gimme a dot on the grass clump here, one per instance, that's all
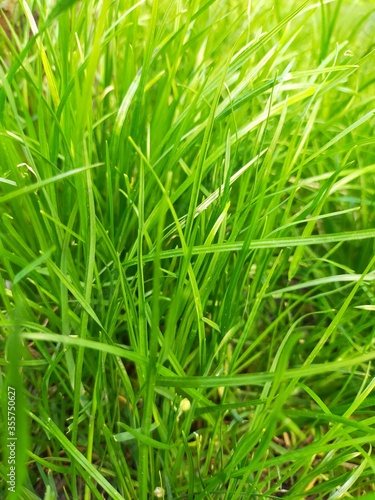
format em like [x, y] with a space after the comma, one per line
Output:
[187, 248]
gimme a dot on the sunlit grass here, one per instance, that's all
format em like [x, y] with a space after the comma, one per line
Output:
[187, 247]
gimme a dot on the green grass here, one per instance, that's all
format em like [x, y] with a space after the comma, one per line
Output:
[187, 301]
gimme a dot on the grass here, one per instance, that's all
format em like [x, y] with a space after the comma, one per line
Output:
[187, 248]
